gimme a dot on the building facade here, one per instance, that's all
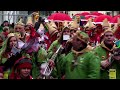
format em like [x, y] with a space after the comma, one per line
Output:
[12, 16]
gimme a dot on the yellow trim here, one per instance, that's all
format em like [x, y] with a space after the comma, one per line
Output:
[87, 49]
[103, 45]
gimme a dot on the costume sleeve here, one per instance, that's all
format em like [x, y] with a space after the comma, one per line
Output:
[42, 55]
[61, 65]
[52, 48]
[94, 67]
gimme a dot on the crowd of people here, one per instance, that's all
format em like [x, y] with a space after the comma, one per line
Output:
[43, 50]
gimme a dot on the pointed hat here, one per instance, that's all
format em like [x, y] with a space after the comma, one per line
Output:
[20, 22]
[51, 30]
[90, 24]
[10, 35]
[65, 24]
[29, 21]
[53, 24]
[105, 23]
[74, 25]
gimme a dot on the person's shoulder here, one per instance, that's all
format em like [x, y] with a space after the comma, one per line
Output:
[69, 40]
[92, 54]
[90, 47]
[68, 55]
[55, 42]
[97, 47]
[42, 50]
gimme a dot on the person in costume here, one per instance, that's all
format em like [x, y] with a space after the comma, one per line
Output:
[5, 23]
[114, 64]
[100, 28]
[28, 27]
[43, 38]
[1, 41]
[104, 51]
[52, 33]
[22, 69]
[81, 62]
[19, 39]
[35, 16]
[5, 32]
[37, 24]
[73, 27]
[35, 52]
[19, 27]
[117, 30]
[91, 30]
[106, 25]
[63, 38]
[6, 52]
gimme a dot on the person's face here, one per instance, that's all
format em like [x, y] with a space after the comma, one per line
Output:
[99, 29]
[72, 32]
[19, 28]
[66, 32]
[87, 30]
[25, 72]
[13, 42]
[27, 29]
[77, 43]
[7, 30]
[6, 24]
[108, 38]
[94, 32]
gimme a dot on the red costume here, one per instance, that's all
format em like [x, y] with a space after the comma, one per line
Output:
[52, 34]
[117, 33]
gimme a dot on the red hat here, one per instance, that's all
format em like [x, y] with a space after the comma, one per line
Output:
[19, 64]
[23, 63]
